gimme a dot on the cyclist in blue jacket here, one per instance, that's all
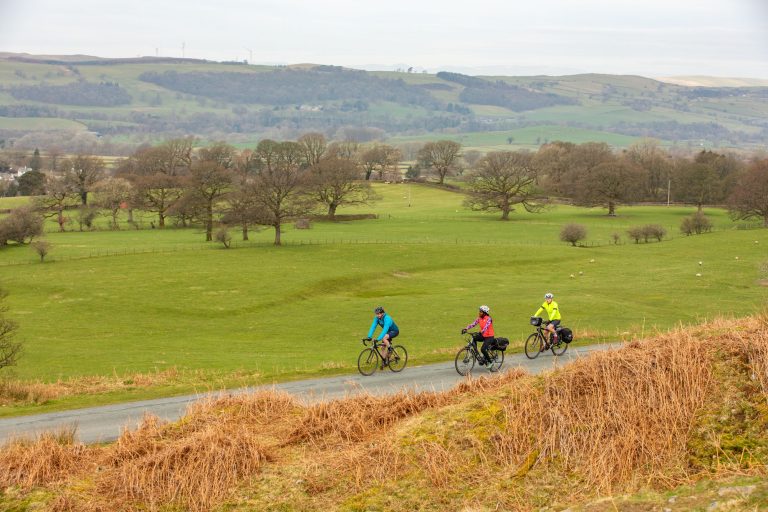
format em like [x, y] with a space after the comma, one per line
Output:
[389, 330]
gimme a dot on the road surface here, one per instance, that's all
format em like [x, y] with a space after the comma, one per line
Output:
[105, 423]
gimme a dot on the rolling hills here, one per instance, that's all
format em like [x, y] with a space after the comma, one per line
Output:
[119, 103]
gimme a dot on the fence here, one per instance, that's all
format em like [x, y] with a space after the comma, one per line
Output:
[207, 246]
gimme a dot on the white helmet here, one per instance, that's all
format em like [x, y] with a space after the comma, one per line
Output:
[485, 309]
[548, 296]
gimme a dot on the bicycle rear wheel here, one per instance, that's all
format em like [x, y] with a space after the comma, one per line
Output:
[559, 348]
[497, 359]
[533, 346]
[465, 361]
[367, 361]
[398, 358]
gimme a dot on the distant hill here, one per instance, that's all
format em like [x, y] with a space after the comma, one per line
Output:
[715, 81]
[124, 102]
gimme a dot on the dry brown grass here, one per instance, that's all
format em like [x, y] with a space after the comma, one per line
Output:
[613, 421]
[24, 392]
[51, 458]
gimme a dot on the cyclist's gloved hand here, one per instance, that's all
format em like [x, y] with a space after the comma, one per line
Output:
[463, 331]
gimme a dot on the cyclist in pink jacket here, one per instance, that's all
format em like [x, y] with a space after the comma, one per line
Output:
[485, 322]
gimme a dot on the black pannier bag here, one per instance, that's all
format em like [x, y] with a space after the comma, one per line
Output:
[565, 334]
[536, 320]
[501, 343]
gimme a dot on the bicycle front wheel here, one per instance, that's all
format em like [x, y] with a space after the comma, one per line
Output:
[465, 361]
[497, 359]
[367, 361]
[559, 348]
[533, 346]
[398, 358]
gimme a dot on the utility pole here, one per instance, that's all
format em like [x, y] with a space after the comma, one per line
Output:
[669, 186]
[250, 56]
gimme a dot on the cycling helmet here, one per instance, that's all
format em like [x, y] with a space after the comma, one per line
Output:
[548, 296]
[485, 309]
[378, 310]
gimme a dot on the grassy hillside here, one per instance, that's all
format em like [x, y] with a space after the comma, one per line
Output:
[663, 422]
[242, 104]
[120, 303]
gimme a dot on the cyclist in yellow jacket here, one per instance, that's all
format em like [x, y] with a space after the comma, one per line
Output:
[553, 315]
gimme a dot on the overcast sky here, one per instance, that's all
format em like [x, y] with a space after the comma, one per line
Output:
[646, 37]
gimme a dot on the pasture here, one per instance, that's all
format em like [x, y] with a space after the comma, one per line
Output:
[138, 301]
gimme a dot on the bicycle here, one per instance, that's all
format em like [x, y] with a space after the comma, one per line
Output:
[467, 356]
[370, 358]
[539, 341]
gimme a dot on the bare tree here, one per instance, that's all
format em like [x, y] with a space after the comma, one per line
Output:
[609, 184]
[314, 147]
[211, 178]
[242, 208]
[158, 174]
[348, 149]
[750, 197]
[647, 154]
[380, 158]
[58, 198]
[335, 182]
[579, 161]
[708, 179]
[552, 163]
[441, 157]
[278, 183]
[10, 350]
[502, 180]
[114, 194]
[471, 157]
[82, 173]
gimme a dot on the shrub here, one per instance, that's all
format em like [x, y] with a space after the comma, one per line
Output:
[42, 248]
[697, 223]
[223, 236]
[413, 172]
[573, 233]
[636, 233]
[85, 217]
[654, 231]
[21, 226]
[616, 238]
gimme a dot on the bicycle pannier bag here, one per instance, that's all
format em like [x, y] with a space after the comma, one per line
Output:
[565, 334]
[536, 320]
[502, 343]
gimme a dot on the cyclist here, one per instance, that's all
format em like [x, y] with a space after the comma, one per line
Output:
[389, 330]
[553, 315]
[486, 331]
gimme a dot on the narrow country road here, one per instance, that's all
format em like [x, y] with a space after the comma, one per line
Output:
[105, 423]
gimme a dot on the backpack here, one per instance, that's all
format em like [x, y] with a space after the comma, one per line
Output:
[565, 334]
[501, 344]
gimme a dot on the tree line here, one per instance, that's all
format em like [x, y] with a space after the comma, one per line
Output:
[268, 185]
[293, 86]
[104, 94]
[277, 182]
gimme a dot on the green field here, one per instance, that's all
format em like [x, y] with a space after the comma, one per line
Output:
[138, 301]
